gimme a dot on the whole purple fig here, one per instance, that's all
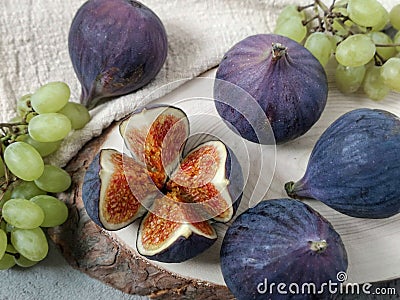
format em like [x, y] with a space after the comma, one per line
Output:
[278, 244]
[282, 76]
[116, 47]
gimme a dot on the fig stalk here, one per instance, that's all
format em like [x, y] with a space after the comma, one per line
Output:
[278, 50]
[318, 246]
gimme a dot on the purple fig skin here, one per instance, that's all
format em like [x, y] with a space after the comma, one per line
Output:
[354, 166]
[91, 190]
[281, 241]
[116, 47]
[283, 77]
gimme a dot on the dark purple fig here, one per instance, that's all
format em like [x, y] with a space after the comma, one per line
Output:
[186, 191]
[355, 165]
[116, 47]
[285, 80]
[281, 242]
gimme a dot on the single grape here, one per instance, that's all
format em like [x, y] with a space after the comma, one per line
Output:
[26, 190]
[50, 127]
[7, 260]
[290, 12]
[373, 84]
[22, 213]
[367, 13]
[293, 29]
[391, 73]
[384, 39]
[44, 149]
[77, 113]
[320, 45]
[53, 179]
[384, 21]
[349, 79]
[55, 211]
[394, 16]
[3, 243]
[23, 161]
[23, 262]
[355, 51]
[31, 243]
[24, 105]
[2, 169]
[50, 97]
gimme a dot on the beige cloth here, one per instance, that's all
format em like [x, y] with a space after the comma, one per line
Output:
[33, 51]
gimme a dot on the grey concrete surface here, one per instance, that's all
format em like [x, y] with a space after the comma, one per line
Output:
[54, 279]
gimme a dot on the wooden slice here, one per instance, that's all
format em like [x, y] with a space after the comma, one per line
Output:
[111, 257]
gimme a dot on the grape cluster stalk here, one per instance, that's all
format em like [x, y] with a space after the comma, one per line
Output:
[27, 184]
[361, 35]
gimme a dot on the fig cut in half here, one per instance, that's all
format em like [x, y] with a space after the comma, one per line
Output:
[183, 194]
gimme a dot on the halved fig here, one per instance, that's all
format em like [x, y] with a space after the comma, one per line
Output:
[181, 194]
[106, 194]
[168, 233]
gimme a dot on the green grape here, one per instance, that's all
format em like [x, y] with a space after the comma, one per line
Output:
[49, 127]
[43, 148]
[53, 179]
[22, 213]
[396, 40]
[55, 211]
[24, 105]
[77, 113]
[373, 84]
[26, 190]
[31, 243]
[289, 12]
[384, 39]
[382, 24]
[3, 225]
[23, 161]
[394, 16]
[4, 197]
[391, 73]
[7, 260]
[320, 45]
[355, 51]
[3, 243]
[2, 169]
[23, 262]
[367, 13]
[293, 29]
[349, 79]
[50, 97]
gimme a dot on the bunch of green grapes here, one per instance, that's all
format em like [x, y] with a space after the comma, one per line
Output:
[362, 35]
[27, 183]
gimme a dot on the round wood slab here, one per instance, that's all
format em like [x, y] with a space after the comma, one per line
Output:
[372, 245]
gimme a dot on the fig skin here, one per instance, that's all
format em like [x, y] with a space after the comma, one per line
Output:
[284, 78]
[273, 241]
[355, 166]
[116, 47]
[91, 189]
